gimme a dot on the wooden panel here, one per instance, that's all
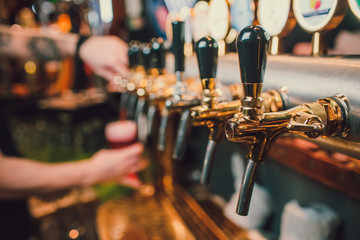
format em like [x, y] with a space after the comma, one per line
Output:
[330, 168]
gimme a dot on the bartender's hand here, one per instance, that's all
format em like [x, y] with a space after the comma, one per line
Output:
[106, 55]
[118, 165]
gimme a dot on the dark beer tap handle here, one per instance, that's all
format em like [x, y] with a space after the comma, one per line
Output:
[252, 47]
[159, 53]
[131, 56]
[135, 54]
[147, 54]
[207, 55]
[178, 45]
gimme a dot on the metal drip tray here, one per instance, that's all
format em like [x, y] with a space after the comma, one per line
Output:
[169, 216]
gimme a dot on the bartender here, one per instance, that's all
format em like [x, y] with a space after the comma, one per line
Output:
[20, 177]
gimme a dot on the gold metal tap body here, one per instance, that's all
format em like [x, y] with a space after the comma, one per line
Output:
[326, 117]
[213, 114]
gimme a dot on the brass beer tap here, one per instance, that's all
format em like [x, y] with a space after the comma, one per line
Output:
[181, 99]
[328, 117]
[137, 74]
[141, 85]
[208, 113]
[213, 113]
[158, 88]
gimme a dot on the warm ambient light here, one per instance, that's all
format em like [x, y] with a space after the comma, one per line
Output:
[64, 22]
[73, 234]
[140, 92]
[30, 67]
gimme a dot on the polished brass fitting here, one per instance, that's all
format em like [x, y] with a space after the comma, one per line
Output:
[219, 112]
[327, 117]
[214, 115]
[252, 104]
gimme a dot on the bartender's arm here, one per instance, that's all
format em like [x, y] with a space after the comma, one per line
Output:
[106, 55]
[22, 177]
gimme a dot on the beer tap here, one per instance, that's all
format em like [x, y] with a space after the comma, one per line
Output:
[207, 55]
[144, 81]
[151, 90]
[178, 50]
[142, 91]
[159, 52]
[328, 117]
[122, 83]
[181, 100]
[158, 90]
[137, 73]
[214, 112]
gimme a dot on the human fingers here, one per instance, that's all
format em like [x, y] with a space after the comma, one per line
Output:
[126, 154]
[110, 70]
[104, 72]
[121, 69]
[133, 150]
[137, 166]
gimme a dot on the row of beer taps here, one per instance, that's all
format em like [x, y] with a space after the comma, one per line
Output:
[247, 115]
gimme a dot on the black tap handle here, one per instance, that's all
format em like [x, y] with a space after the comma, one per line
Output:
[207, 55]
[252, 47]
[135, 54]
[178, 45]
[131, 57]
[147, 55]
[159, 52]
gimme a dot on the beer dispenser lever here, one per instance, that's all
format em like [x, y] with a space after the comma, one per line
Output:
[207, 55]
[326, 117]
[214, 111]
[252, 47]
[182, 99]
